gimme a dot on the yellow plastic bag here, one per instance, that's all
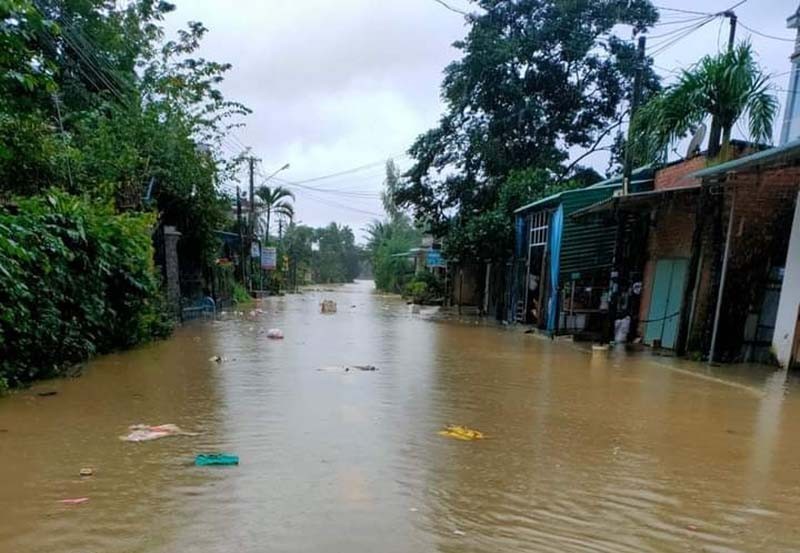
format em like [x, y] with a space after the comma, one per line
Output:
[461, 433]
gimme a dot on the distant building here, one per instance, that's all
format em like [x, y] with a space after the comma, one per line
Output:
[791, 117]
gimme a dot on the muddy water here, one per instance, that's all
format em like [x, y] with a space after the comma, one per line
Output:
[584, 453]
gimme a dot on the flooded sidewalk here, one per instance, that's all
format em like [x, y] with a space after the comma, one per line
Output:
[580, 451]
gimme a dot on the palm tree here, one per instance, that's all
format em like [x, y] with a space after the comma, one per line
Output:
[726, 87]
[275, 200]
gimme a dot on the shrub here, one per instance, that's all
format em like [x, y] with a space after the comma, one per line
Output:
[426, 288]
[240, 294]
[76, 279]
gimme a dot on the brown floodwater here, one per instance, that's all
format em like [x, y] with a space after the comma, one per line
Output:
[584, 452]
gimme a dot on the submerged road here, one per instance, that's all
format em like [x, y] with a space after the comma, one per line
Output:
[583, 452]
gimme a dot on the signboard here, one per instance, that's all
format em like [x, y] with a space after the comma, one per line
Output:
[434, 259]
[255, 250]
[269, 258]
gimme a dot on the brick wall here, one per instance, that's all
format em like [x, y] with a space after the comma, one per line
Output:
[670, 237]
[764, 208]
[676, 175]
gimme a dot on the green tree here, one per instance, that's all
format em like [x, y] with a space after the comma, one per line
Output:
[275, 201]
[337, 258]
[727, 86]
[387, 241]
[537, 78]
[296, 245]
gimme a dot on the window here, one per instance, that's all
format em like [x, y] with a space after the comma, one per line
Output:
[539, 227]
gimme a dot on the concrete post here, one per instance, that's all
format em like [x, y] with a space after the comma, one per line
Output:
[783, 340]
[172, 270]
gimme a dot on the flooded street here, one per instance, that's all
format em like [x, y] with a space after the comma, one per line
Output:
[584, 452]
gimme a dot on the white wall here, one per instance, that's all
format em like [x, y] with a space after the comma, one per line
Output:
[783, 338]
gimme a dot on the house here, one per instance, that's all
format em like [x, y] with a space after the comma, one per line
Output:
[660, 229]
[563, 271]
[758, 288]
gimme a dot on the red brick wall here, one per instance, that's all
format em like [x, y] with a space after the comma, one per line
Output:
[670, 237]
[762, 221]
[676, 176]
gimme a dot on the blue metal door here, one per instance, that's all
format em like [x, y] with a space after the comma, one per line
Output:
[665, 302]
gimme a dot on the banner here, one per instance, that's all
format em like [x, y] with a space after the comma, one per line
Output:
[269, 258]
[434, 259]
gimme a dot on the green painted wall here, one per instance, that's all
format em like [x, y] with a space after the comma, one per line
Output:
[589, 244]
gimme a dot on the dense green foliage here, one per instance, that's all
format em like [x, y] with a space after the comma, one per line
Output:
[337, 259]
[388, 241]
[75, 279]
[97, 108]
[424, 288]
[537, 79]
[325, 255]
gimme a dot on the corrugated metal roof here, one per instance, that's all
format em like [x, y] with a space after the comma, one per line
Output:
[632, 201]
[639, 176]
[788, 150]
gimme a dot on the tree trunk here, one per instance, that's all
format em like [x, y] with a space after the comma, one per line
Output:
[269, 212]
[713, 138]
[725, 152]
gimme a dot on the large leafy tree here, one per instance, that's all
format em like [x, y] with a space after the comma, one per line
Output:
[275, 201]
[727, 86]
[337, 258]
[94, 100]
[537, 79]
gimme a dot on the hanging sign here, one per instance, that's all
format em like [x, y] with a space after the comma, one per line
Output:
[269, 258]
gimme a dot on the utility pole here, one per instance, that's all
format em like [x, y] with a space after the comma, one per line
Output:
[635, 101]
[241, 234]
[715, 135]
[251, 227]
[731, 15]
[252, 164]
[627, 172]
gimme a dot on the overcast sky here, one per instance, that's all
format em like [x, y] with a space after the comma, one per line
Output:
[339, 85]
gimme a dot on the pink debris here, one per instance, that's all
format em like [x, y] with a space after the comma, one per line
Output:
[146, 433]
[74, 501]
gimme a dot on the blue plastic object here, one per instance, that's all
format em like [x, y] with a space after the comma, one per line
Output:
[216, 459]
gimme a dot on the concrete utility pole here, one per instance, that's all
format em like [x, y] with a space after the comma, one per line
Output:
[715, 135]
[241, 234]
[627, 172]
[252, 165]
[635, 101]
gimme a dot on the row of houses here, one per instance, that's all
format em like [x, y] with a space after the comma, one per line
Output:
[695, 257]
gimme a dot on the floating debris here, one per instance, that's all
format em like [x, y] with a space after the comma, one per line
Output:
[74, 501]
[146, 433]
[461, 433]
[328, 307]
[87, 471]
[216, 359]
[366, 368]
[47, 393]
[275, 334]
[216, 459]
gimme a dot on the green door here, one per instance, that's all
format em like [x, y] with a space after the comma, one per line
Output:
[665, 302]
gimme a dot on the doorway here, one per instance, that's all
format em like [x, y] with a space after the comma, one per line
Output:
[666, 299]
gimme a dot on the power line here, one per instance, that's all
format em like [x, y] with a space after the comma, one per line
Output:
[765, 35]
[451, 8]
[669, 43]
[664, 8]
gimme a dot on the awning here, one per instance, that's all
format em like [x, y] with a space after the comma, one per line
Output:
[634, 202]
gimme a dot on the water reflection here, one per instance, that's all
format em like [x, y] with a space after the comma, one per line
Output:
[585, 452]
